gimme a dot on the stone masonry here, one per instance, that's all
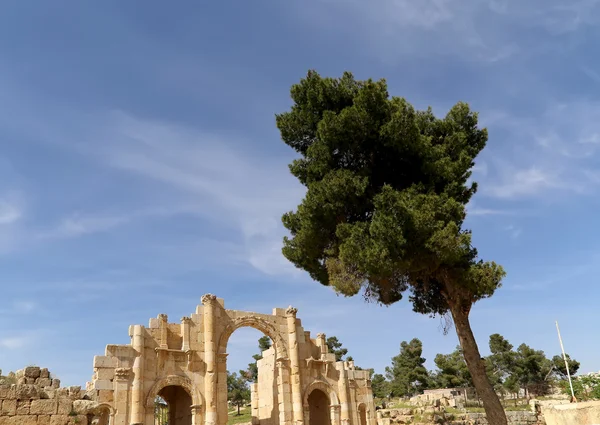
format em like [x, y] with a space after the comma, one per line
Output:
[38, 399]
[185, 363]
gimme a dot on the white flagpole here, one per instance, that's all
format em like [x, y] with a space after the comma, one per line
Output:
[566, 363]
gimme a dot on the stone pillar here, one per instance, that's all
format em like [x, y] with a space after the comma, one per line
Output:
[163, 330]
[294, 366]
[354, 416]
[343, 390]
[221, 394]
[254, 403]
[185, 333]
[284, 401]
[335, 414]
[121, 397]
[210, 353]
[138, 402]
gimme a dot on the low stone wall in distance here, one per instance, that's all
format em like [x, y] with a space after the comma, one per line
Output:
[37, 399]
[418, 415]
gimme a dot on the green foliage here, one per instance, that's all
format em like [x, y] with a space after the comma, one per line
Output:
[559, 366]
[380, 386]
[586, 387]
[452, 370]
[408, 375]
[238, 392]
[336, 348]
[387, 189]
[244, 417]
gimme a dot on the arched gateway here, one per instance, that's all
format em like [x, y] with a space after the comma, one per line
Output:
[184, 366]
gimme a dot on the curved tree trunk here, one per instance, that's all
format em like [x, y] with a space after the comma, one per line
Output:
[491, 403]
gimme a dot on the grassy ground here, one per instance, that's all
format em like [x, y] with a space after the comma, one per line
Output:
[245, 416]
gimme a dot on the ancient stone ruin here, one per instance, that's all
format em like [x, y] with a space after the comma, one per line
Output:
[299, 381]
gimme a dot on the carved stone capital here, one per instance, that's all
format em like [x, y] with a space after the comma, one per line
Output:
[122, 373]
[320, 335]
[335, 408]
[222, 357]
[208, 299]
[291, 311]
[163, 317]
[186, 320]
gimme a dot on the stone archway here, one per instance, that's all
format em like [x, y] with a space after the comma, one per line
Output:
[313, 405]
[280, 372]
[362, 414]
[176, 386]
[255, 323]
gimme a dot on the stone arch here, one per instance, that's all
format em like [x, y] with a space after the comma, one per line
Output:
[98, 411]
[259, 324]
[174, 380]
[323, 386]
[363, 414]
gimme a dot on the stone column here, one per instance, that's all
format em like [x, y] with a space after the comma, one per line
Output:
[294, 366]
[284, 401]
[163, 330]
[335, 414]
[254, 403]
[343, 390]
[185, 333]
[210, 353]
[354, 416]
[221, 394]
[138, 402]
[121, 397]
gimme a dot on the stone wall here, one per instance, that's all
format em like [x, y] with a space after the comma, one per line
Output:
[586, 413]
[419, 415]
[37, 399]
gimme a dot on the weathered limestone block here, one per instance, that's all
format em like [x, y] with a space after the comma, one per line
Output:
[77, 420]
[32, 372]
[4, 391]
[58, 420]
[8, 407]
[105, 373]
[23, 407]
[44, 373]
[44, 382]
[83, 407]
[43, 419]
[27, 392]
[26, 420]
[55, 383]
[43, 407]
[104, 384]
[64, 407]
[105, 361]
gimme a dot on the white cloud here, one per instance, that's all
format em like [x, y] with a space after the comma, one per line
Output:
[488, 31]
[9, 212]
[205, 174]
[14, 343]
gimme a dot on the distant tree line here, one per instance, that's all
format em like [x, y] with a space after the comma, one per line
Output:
[510, 370]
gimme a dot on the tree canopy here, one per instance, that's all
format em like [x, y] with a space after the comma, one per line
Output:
[407, 375]
[387, 192]
[336, 348]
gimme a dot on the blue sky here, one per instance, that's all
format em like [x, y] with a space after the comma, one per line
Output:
[141, 167]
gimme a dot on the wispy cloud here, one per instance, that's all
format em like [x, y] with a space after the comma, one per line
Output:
[554, 152]
[207, 174]
[487, 31]
[513, 231]
[14, 343]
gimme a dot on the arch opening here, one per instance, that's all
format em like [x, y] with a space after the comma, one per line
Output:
[255, 380]
[173, 406]
[362, 414]
[319, 408]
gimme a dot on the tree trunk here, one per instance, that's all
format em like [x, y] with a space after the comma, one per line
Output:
[491, 403]
[239, 409]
